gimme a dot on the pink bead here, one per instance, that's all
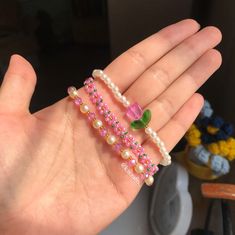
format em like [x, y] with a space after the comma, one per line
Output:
[142, 159]
[105, 105]
[91, 116]
[140, 149]
[107, 118]
[88, 80]
[103, 132]
[101, 112]
[146, 175]
[142, 177]
[154, 169]
[93, 100]
[78, 101]
[131, 162]
[134, 112]
[118, 147]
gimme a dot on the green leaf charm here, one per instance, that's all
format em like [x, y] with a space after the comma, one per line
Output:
[143, 121]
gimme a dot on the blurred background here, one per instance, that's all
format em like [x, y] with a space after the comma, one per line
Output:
[65, 39]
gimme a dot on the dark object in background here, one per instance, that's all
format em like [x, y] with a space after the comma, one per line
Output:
[45, 33]
[14, 38]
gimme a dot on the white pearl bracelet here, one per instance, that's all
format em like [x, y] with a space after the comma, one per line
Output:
[166, 158]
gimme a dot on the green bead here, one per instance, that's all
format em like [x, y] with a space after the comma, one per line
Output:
[143, 122]
[146, 118]
[137, 125]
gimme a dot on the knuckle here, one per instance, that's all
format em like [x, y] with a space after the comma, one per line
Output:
[137, 57]
[166, 106]
[190, 47]
[160, 75]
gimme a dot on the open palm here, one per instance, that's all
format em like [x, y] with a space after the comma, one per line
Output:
[57, 176]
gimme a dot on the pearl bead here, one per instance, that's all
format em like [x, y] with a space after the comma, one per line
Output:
[139, 168]
[111, 139]
[97, 124]
[73, 93]
[123, 99]
[97, 73]
[153, 135]
[84, 108]
[157, 140]
[115, 89]
[107, 80]
[126, 154]
[148, 130]
[118, 95]
[149, 181]
[127, 103]
[111, 85]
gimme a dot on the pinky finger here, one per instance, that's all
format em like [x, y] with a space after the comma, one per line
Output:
[175, 129]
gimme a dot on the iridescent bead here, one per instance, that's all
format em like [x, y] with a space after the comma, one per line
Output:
[97, 124]
[126, 154]
[72, 91]
[111, 139]
[91, 116]
[139, 168]
[149, 181]
[132, 162]
[118, 147]
[103, 132]
[84, 108]
[78, 101]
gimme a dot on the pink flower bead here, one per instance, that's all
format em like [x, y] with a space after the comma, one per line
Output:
[134, 112]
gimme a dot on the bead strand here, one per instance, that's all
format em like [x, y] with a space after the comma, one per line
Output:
[110, 139]
[144, 166]
[166, 158]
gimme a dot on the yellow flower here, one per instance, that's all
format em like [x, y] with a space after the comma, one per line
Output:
[212, 130]
[214, 148]
[193, 136]
[223, 147]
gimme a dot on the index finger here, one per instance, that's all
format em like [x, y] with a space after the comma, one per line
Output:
[127, 67]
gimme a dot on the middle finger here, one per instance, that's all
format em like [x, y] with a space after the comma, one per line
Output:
[159, 76]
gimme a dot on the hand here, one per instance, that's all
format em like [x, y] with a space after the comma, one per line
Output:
[56, 176]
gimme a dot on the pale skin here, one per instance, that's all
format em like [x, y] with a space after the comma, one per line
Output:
[57, 175]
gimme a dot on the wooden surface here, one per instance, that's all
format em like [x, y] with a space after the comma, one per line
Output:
[219, 191]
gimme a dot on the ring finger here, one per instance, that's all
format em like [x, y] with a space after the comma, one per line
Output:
[159, 76]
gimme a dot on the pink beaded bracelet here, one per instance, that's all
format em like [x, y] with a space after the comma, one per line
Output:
[144, 166]
[140, 119]
[112, 140]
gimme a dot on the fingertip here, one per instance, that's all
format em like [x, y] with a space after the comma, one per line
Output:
[192, 22]
[216, 57]
[214, 31]
[198, 100]
[19, 65]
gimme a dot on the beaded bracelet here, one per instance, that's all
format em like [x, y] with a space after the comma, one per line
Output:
[139, 118]
[104, 132]
[144, 166]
